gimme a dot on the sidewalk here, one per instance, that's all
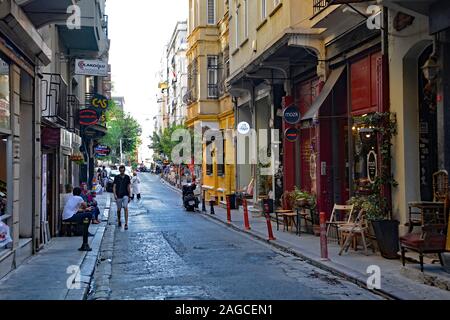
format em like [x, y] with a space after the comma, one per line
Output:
[396, 282]
[49, 274]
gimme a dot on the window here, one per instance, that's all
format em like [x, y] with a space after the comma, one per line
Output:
[211, 11]
[213, 62]
[263, 9]
[246, 19]
[5, 113]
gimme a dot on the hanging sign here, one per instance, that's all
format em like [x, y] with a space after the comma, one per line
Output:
[372, 166]
[91, 67]
[102, 151]
[88, 117]
[291, 134]
[243, 127]
[99, 102]
[291, 114]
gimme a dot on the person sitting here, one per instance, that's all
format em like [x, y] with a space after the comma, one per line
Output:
[91, 202]
[76, 210]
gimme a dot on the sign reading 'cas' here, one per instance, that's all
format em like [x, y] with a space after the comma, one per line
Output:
[88, 117]
[99, 101]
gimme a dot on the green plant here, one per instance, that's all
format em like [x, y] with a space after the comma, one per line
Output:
[377, 204]
[303, 199]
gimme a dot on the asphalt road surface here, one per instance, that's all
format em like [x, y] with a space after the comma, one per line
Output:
[168, 253]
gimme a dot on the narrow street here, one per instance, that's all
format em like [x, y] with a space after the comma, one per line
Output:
[168, 253]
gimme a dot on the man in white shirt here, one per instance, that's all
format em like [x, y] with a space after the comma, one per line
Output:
[76, 209]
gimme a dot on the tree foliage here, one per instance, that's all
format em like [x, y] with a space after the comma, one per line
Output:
[162, 143]
[121, 126]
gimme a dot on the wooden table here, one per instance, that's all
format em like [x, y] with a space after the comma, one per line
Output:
[425, 207]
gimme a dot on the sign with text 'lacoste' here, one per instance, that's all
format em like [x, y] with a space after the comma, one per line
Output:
[91, 68]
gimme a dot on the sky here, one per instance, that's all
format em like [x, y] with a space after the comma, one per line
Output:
[139, 30]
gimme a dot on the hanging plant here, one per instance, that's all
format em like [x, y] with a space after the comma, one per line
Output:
[384, 125]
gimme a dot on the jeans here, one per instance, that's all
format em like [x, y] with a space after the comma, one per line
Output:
[79, 217]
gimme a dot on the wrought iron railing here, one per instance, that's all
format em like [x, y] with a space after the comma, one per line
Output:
[55, 90]
[213, 91]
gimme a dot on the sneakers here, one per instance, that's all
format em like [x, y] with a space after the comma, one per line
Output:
[120, 224]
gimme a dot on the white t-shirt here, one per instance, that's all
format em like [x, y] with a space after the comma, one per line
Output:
[72, 206]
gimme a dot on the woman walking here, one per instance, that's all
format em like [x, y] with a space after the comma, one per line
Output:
[135, 186]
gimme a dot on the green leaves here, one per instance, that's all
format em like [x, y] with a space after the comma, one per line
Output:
[121, 126]
[162, 143]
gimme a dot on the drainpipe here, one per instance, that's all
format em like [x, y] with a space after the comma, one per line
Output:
[350, 133]
[33, 169]
[236, 167]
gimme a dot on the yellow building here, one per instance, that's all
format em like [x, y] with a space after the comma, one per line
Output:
[209, 104]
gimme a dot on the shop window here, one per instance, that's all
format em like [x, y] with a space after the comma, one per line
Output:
[5, 112]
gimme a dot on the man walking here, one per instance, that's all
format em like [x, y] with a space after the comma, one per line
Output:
[122, 194]
[104, 176]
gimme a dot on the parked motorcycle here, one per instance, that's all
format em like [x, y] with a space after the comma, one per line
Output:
[190, 201]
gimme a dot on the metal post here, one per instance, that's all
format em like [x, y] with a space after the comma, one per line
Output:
[323, 237]
[246, 222]
[211, 202]
[85, 245]
[269, 223]
[204, 201]
[228, 209]
[121, 152]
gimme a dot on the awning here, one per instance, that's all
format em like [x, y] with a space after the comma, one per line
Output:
[327, 88]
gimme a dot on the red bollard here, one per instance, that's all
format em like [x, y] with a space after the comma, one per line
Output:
[323, 237]
[246, 223]
[269, 223]
[228, 209]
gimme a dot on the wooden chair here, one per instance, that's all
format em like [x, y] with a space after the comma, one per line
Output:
[440, 186]
[431, 239]
[350, 231]
[341, 214]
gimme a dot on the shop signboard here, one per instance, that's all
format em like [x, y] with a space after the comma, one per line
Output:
[292, 114]
[243, 128]
[51, 137]
[91, 68]
[99, 102]
[372, 166]
[291, 134]
[88, 117]
[102, 151]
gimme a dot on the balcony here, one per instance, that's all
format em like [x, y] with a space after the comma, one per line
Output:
[44, 12]
[73, 110]
[91, 38]
[56, 103]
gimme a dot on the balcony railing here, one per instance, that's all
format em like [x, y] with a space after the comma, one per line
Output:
[74, 108]
[55, 90]
[319, 5]
[105, 21]
[213, 91]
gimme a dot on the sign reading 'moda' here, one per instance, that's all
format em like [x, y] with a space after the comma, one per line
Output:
[291, 114]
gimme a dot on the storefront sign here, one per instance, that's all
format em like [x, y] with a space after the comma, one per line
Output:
[291, 114]
[88, 117]
[91, 68]
[243, 127]
[50, 137]
[291, 134]
[99, 102]
[372, 166]
[102, 151]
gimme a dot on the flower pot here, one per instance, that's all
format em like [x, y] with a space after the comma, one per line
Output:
[386, 232]
[301, 203]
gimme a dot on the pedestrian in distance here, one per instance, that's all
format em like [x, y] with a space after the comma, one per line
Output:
[104, 176]
[122, 194]
[135, 186]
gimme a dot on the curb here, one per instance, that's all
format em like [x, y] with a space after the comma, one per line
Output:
[100, 285]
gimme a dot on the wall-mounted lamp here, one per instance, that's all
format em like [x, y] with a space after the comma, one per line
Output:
[431, 69]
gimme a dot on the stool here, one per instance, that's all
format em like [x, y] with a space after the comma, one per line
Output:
[69, 228]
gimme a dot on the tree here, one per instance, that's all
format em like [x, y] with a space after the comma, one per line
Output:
[121, 126]
[162, 143]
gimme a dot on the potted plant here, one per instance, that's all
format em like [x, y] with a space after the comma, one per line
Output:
[376, 203]
[305, 200]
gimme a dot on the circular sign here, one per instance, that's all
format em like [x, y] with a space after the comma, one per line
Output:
[88, 117]
[243, 127]
[291, 114]
[291, 134]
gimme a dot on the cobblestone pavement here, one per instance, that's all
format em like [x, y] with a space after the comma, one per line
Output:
[168, 253]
